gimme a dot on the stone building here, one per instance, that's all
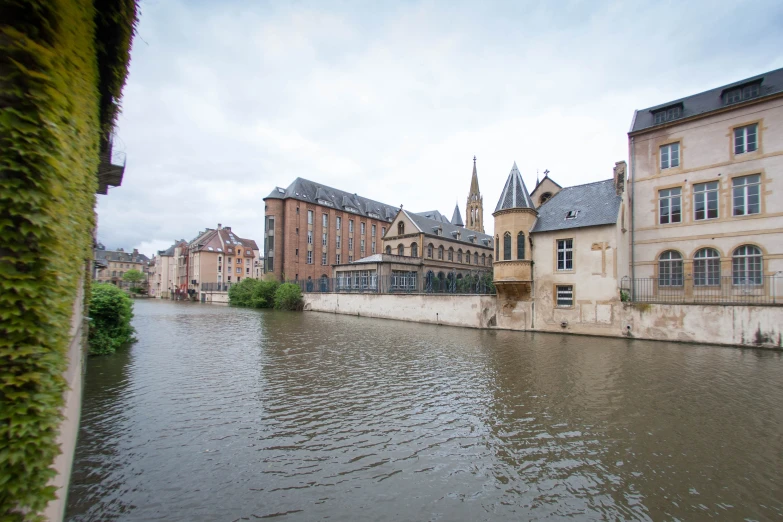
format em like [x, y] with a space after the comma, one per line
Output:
[706, 220]
[164, 273]
[111, 265]
[474, 209]
[544, 190]
[215, 257]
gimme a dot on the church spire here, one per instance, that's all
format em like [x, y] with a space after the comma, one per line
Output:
[474, 210]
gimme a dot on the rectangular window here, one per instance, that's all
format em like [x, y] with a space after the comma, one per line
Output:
[374, 229]
[361, 245]
[309, 237]
[338, 242]
[383, 231]
[362, 227]
[746, 194]
[350, 258]
[669, 114]
[337, 259]
[350, 243]
[270, 264]
[323, 239]
[373, 247]
[741, 93]
[323, 258]
[309, 257]
[745, 139]
[670, 206]
[565, 254]
[247, 270]
[309, 217]
[325, 221]
[239, 270]
[670, 156]
[565, 296]
[338, 222]
[705, 200]
[350, 225]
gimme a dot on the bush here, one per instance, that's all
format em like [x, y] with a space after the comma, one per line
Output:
[288, 297]
[111, 311]
[253, 293]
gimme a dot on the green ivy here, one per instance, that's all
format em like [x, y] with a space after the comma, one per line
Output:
[52, 123]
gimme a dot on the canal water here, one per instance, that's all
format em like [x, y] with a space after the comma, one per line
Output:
[230, 414]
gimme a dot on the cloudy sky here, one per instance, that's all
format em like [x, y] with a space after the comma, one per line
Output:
[391, 100]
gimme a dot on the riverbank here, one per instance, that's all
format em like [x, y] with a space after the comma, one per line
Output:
[731, 325]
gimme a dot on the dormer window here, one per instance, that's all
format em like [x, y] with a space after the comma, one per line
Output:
[571, 214]
[668, 114]
[741, 93]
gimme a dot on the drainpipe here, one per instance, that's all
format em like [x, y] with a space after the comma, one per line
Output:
[633, 227]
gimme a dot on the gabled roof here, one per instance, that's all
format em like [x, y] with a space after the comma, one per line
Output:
[546, 176]
[594, 203]
[514, 193]
[708, 101]
[222, 240]
[434, 214]
[312, 192]
[456, 218]
[429, 226]
[120, 256]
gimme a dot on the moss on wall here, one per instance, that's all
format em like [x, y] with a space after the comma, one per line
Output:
[51, 125]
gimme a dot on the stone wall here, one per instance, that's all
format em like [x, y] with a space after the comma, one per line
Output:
[756, 326]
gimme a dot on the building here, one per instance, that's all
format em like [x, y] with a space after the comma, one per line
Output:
[164, 273]
[544, 190]
[216, 257]
[308, 227]
[474, 209]
[706, 216]
[111, 265]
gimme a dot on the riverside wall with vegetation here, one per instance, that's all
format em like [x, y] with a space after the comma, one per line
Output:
[62, 68]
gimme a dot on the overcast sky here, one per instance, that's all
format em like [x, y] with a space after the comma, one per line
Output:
[391, 100]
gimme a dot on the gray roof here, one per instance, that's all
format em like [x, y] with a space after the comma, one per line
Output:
[597, 204]
[312, 192]
[456, 218]
[170, 250]
[429, 226]
[387, 258]
[434, 214]
[708, 101]
[120, 256]
[515, 193]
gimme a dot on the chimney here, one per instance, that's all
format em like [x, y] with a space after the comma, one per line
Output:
[619, 177]
[135, 252]
[220, 226]
[227, 228]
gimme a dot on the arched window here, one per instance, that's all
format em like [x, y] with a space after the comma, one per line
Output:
[440, 253]
[670, 268]
[490, 260]
[475, 258]
[400, 228]
[520, 246]
[459, 256]
[429, 250]
[544, 198]
[400, 250]
[467, 257]
[414, 250]
[451, 254]
[483, 259]
[388, 249]
[497, 247]
[746, 265]
[706, 267]
[506, 246]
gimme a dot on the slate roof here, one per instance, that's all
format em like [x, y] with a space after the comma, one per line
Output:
[434, 214]
[708, 101]
[514, 193]
[428, 226]
[456, 218]
[120, 256]
[597, 204]
[170, 250]
[312, 192]
[222, 240]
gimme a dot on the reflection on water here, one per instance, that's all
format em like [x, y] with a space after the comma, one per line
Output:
[225, 414]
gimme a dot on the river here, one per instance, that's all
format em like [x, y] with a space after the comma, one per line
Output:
[230, 414]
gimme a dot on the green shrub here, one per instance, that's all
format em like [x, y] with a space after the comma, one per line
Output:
[111, 311]
[288, 297]
[253, 293]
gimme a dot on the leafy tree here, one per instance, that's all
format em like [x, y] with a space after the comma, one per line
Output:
[288, 297]
[111, 311]
[253, 293]
[133, 276]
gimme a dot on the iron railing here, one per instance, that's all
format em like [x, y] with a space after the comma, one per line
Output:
[399, 285]
[705, 290]
[215, 287]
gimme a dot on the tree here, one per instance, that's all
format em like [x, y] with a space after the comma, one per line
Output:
[134, 277]
[111, 311]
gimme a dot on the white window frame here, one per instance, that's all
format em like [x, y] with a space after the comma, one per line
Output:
[667, 198]
[323, 258]
[309, 237]
[743, 188]
[325, 220]
[309, 257]
[671, 153]
[324, 239]
[310, 217]
[565, 247]
[338, 241]
[741, 138]
[703, 191]
[338, 222]
[337, 259]
[564, 296]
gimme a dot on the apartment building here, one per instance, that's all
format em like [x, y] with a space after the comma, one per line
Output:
[216, 257]
[111, 265]
[707, 218]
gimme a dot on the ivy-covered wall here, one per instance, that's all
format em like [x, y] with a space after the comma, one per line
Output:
[63, 64]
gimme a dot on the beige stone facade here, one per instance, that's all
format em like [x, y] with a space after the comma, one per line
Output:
[111, 265]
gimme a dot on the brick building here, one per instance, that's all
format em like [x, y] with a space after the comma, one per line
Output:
[309, 227]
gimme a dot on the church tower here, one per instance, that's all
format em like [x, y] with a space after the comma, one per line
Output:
[474, 210]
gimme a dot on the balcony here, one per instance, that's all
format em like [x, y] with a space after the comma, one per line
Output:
[111, 167]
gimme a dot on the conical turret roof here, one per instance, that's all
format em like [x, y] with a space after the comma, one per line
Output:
[515, 193]
[456, 219]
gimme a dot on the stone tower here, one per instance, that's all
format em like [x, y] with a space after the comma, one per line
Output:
[515, 216]
[474, 210]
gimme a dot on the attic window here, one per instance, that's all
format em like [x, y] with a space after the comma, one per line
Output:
[210, 249]
[743, 92]
[668, 114]
[281, 191]
[571, 214]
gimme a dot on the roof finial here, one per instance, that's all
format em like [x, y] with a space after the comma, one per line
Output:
[474, 159]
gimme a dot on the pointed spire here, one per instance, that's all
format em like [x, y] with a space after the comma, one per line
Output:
[515, 193]
[474, 187]
[456, 219]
